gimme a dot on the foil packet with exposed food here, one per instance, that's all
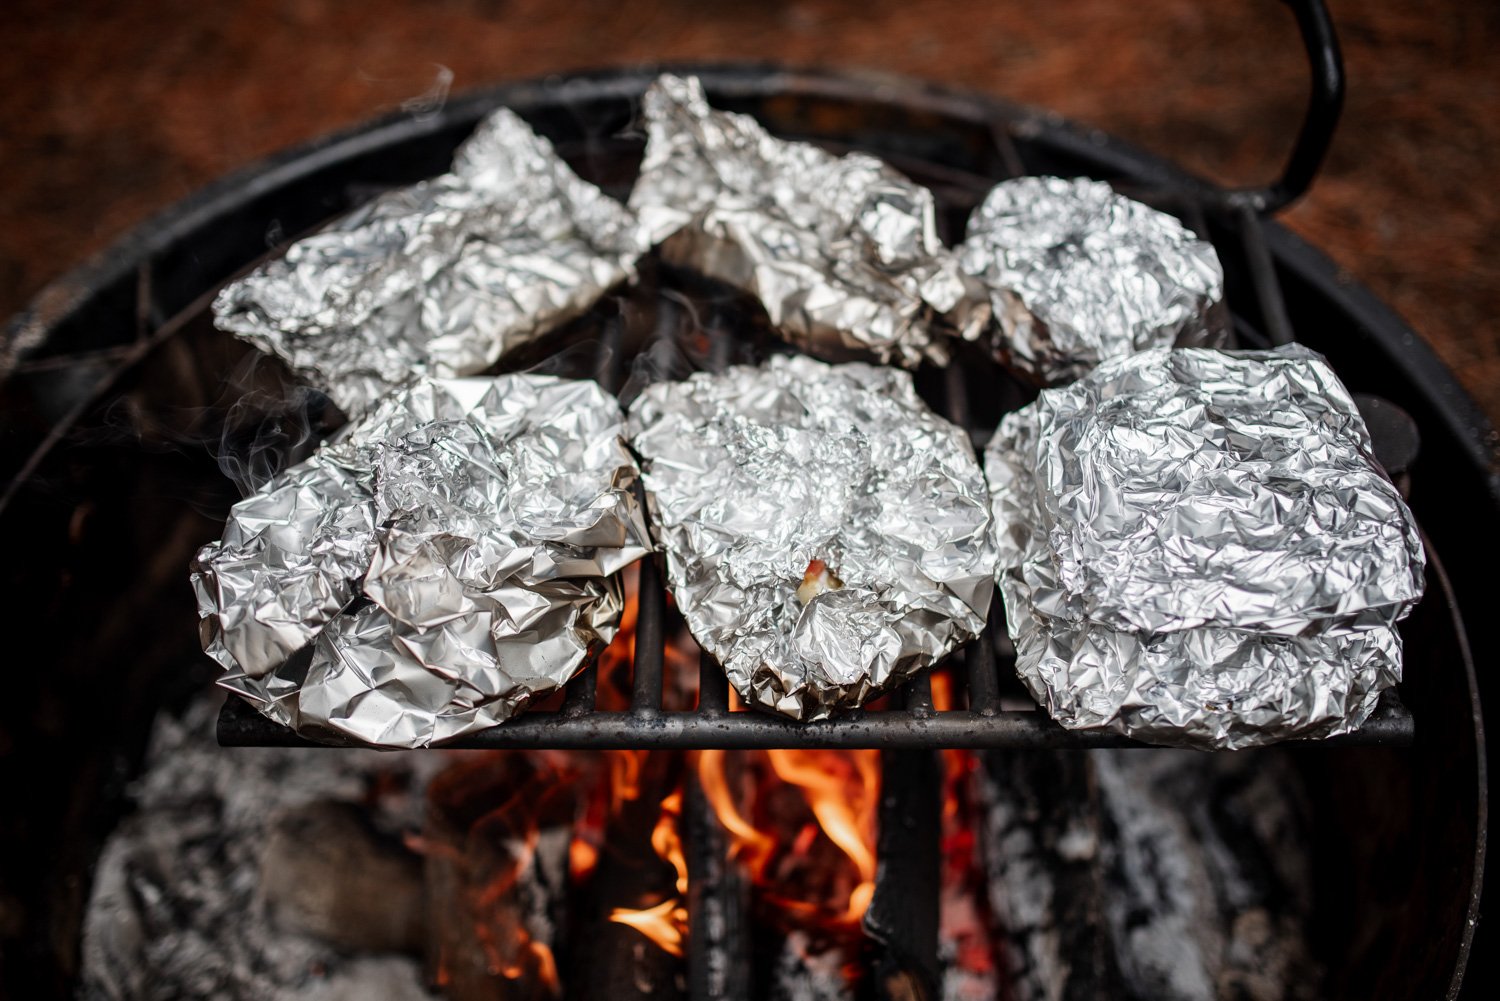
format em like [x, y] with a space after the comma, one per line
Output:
[842, 250]
[827, 536]
[449, 558]
[1077, 274]
[1198, 548]
[441, 278]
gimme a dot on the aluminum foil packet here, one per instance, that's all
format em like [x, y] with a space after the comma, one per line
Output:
[441, 278]
[842, 250]
[827, 536]
[1197, 547]
[1077, 274]
[447, 559]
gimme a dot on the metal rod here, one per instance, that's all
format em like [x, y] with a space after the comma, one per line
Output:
[713, 686]
[241, 726]
[718, 905]
[984, 687]
[903, 916]
[1273, 312]
[650, 641]
[918, 695]
[956, 395]
[578, 697]
[1325, 103]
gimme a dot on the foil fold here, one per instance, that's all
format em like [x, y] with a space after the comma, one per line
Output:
[1077, 274]
[441, 278]
[827, 536]
[1198, 548]
[842, 250]
[450, 557]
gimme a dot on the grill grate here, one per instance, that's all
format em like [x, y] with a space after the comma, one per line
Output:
[691, 324]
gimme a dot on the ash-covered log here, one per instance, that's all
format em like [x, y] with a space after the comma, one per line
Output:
[1150, 875]
[1041, 848]
[328, 873]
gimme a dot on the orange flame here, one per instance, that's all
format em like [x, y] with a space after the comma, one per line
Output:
[665, 923]
[841, 789]
[748, 843]
[662, 924]
[844, 807]
[624, 777]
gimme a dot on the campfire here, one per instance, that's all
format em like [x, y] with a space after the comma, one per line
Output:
[755, 874]
[686, 845]
[795, 831]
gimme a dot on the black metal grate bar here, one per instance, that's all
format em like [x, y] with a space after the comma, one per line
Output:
[241, 726]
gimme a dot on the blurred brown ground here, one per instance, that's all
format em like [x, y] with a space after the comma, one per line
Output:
[114, 110]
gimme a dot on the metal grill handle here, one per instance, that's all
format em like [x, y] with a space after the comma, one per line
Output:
[1325, 103]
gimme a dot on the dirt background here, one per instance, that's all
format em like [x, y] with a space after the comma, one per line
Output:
[112, 111]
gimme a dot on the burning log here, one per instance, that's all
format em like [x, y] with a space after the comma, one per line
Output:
[498, 834]
[630, 945]
[718, 906]
[902, 920]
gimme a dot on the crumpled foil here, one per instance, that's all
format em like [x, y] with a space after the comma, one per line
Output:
[1078, 274]
[1197, 547]
[842, 250]
[755, 474]
[449, 558]
[441, 278]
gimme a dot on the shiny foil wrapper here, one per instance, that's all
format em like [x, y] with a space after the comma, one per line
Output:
[441, 278]
[1198, 548]
[1078, 274]
[449, 558]
[827, 536]
[842, 250]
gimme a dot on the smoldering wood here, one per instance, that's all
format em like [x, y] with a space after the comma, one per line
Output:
[1151, 875]
[327, 873]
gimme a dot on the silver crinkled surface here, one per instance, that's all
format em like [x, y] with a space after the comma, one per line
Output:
[755, 473]
[1078, 274]
[449, 557]
[842, 250]
[1197, 547]
[441, 278]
